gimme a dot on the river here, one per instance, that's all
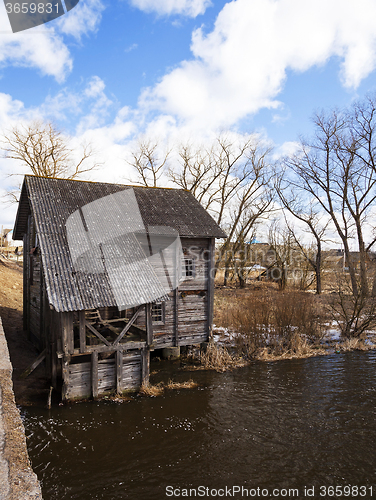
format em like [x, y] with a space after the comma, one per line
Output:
[285, 428]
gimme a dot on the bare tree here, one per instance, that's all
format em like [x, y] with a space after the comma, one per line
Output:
[44, 151]
[336, 169]
[230, 180]
[292, 199]
[280, 254]
[149, 167]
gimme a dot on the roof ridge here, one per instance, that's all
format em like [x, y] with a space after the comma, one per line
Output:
[107, 183]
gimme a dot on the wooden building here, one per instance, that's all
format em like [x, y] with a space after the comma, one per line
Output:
[94, 299]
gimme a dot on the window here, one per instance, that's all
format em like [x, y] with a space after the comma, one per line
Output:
[189, 268]
[158, 313]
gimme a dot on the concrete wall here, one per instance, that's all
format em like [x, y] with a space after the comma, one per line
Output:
[17, 479]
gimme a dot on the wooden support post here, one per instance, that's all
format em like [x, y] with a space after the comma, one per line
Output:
[65, 374]
[176, 317]
[210, 290]
[48, 335]
[42, 335]
[149, 325]
[94, 374]
[53, 365]
[25, 283]
[145, 366]
[119, 371]
[81, 318]
[67, 332]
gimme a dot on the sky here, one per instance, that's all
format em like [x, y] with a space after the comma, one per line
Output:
[108, 72]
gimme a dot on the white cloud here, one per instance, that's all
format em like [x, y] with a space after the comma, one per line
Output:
[43, 47]
[190, 8]
[81, 20]
[39, 48]
[89, 105]
[240, 67]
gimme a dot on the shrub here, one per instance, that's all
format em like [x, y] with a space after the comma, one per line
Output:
[279, 321]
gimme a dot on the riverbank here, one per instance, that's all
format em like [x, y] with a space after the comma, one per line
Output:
[17, 479]
[33, 389]
[263, 323]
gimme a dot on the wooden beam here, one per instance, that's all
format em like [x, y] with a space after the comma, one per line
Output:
[127, 326]
[94, 374]
[127, 346]
[97, 334]
[81, 319]
[34, 364]
[119, 371]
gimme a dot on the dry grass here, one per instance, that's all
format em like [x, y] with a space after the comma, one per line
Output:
[307, 351]
[189, 384]
[352, 345]
[151, 390]
[158, 389]
[272, 324]
[218, 358]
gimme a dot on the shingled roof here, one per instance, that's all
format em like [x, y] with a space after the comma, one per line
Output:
[54, 202]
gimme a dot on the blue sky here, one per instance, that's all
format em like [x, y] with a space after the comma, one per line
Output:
[110, 71]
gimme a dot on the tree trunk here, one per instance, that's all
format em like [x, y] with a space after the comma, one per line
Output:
[318, 268]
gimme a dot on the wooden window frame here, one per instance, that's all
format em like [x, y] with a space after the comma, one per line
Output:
[189, 265]
[161, 314]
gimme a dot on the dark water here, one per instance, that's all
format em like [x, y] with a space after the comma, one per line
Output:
[287, 425]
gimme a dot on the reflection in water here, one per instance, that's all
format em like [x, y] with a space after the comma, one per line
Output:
[286, 424]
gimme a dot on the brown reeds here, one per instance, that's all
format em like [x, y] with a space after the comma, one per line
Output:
[151, 390]
[189, 384]
[218, 358]
[270, 323]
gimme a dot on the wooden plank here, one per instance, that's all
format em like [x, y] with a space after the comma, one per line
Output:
[106, 376]
[119, 371]
[94, 374]
[127, 346]
[81, 318]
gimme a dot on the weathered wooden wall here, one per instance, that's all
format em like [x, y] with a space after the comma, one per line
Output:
[81, 382]
[33, 288]
[188, 312]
